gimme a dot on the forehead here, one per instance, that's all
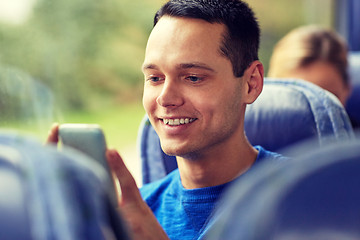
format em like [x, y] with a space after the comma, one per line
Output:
[175, 38]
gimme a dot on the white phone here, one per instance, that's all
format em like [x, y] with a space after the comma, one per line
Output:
[89, 139]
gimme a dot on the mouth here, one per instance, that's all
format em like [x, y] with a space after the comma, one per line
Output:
[177, 121]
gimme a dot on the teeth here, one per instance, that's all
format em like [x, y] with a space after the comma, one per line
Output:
[178, 121]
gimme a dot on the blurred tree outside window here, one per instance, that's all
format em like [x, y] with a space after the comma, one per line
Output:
[84, 57]
[87, 53]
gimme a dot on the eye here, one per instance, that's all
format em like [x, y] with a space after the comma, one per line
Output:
[154, 79]
[194, 79]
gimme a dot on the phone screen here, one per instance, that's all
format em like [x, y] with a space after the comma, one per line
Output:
[89, 139]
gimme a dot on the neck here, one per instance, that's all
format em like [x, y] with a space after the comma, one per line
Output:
[216, 167]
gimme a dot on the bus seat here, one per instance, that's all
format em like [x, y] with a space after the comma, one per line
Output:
[286, 112]
[314, 196]
[292, 110]
[48, 194]
[12, 201]
[353, 103]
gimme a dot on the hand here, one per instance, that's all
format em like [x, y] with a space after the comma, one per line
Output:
[53, 134]
[141, 220]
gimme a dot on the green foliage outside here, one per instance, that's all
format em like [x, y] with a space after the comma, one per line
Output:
[81, 49]
[79, 61]
[72, 61]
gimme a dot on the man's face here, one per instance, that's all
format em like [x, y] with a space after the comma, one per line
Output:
[191, 96]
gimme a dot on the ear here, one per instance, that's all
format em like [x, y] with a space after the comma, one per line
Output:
[254, 76]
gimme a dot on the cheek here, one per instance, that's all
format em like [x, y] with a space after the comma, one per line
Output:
[149, 101]
[221, 104]
[232, 105]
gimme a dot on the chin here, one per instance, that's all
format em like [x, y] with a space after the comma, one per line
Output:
[181, 152]
[170, 151]
[173, 149]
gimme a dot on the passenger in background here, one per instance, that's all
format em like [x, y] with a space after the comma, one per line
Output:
[315, 54]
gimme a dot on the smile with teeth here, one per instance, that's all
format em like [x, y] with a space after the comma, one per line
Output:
[178, 121]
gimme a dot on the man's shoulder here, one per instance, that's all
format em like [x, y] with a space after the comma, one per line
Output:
[265, 155]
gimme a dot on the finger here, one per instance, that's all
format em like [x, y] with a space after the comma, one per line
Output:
[53, 134]
[129, 189]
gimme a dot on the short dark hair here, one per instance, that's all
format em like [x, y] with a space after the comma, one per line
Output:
[242, 38]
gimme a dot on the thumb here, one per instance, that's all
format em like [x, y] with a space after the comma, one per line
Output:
[53, 134]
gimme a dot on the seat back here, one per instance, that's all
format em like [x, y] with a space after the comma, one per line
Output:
[353, 103]
[286, 112]
[12, 200]
[289, 111]
[314, 196]
[47, 194]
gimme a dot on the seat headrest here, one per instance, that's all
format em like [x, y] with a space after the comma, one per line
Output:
[291, 110]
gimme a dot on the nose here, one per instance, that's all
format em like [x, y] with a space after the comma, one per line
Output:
[171, 94]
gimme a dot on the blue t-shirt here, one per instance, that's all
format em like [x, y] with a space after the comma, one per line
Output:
[184, 213]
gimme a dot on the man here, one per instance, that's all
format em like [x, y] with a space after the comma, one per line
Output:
[201, 69]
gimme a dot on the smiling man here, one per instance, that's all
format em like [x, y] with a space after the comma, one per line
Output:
[188, 79]
[201, 69]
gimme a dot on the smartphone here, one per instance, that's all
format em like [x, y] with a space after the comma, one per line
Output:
[89, 139]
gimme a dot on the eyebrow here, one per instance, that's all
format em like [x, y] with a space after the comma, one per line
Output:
[149, 66]
[196, 65]
[182, 66]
